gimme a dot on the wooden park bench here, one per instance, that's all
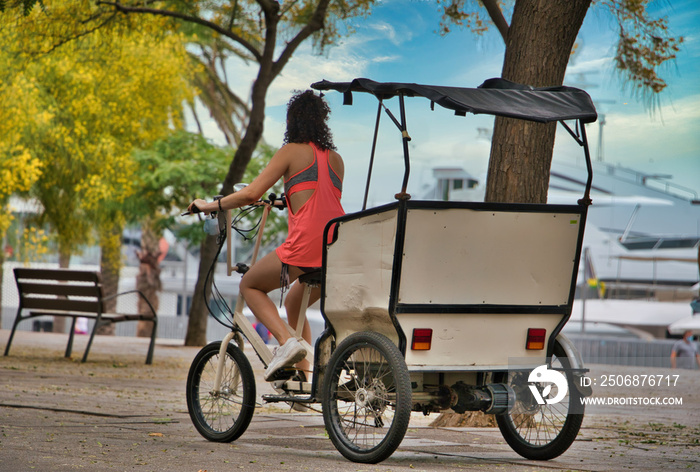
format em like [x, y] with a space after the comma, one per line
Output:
[71, 293]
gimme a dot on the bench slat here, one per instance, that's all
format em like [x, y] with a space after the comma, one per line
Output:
[60, 289]
[115, 317]
[60, 304]
[56, 274]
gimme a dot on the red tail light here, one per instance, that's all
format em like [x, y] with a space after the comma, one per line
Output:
[535, 339]
[422, 338]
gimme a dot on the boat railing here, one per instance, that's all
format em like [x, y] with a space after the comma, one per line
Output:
[655, 181]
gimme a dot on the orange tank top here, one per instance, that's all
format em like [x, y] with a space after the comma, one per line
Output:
[304, 244]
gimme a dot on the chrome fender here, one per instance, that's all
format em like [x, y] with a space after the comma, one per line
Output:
[576, 363]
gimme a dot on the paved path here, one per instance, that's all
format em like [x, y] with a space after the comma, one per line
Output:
[114, 413]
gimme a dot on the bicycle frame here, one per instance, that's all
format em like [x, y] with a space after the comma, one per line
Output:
[240, 322]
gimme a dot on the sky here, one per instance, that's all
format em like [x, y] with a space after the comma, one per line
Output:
[399, 43]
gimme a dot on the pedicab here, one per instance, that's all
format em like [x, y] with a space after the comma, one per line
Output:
[429, 306]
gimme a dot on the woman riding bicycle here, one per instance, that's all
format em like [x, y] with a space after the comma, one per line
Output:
[313, 175]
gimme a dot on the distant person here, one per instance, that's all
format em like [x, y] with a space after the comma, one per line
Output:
[685, 353]
[695, 306]
[262, 331]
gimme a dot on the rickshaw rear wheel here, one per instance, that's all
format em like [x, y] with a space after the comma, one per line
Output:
[542, 432]
[221, 416]
[366, 397]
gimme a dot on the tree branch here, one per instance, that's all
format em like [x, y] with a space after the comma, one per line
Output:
[268, 5]
[233, 15]
[288, 6]
[193, 19]
[316, 23]
[496, 16]
[79, 35]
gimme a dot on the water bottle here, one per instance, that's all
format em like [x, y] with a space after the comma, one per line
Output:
[211, 226]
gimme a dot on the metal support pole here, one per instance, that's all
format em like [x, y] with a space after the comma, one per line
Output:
[584, 289]
[371, 157]
[406, 138]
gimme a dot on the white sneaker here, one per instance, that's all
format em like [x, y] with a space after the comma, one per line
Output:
[299, 407]
[285, 355]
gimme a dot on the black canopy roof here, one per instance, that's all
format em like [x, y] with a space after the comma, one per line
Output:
[494, 97]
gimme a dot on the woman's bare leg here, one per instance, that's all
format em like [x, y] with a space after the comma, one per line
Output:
[293, 306]
[261, 279]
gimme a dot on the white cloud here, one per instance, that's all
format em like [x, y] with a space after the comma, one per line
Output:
[388, 32]
[672, 120]
[380, 59]
[590, 66]
[474, 75]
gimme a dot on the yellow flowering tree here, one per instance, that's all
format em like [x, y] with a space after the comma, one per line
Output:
[18, 168]
[97, 97]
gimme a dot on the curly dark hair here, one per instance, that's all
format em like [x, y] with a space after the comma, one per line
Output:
[307, 120]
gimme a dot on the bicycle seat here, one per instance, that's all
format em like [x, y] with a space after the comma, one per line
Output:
[311, 278]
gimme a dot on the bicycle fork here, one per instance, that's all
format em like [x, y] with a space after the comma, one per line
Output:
[220, 366]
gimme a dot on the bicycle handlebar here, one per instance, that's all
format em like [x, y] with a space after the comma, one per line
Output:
[272, 199]
[278, 202]
[191, 211]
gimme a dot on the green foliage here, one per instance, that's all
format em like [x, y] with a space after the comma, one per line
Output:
[179, 168]
[170, 174]
[262, 32]
[86, 101]
[26, 6]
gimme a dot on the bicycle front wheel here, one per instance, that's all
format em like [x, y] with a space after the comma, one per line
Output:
[224, 415]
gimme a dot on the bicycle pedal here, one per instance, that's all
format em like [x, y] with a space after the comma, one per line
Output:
[294, 385]
[284, 374]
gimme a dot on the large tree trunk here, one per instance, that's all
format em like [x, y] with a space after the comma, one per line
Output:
[197, 322]
[2, 263]
[538, 46]
[110, 266]
[148, 279]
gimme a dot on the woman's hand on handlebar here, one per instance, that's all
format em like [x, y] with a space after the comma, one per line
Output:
[198, 206]
[201, 206]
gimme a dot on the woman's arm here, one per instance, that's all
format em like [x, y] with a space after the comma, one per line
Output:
[274, 170]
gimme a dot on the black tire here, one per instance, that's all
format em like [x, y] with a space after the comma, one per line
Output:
[366, 398]
[223, 417]
[542, 432]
